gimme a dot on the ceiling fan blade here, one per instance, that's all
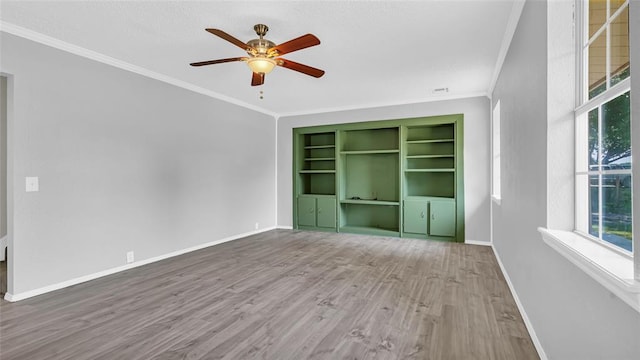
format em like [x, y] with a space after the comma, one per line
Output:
[305, 69]
[296, 44]
[229, 38]
[211, 62]
[257, 79]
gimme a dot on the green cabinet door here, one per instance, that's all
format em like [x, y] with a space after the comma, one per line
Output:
[306, 211]
[443, 218]
[415, 217]
[326, 212]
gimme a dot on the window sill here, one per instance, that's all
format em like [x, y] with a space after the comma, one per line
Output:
[611, 269]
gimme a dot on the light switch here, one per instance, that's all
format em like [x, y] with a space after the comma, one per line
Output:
[32, 183]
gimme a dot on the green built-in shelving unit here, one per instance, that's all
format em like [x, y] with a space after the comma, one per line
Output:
[401, 178]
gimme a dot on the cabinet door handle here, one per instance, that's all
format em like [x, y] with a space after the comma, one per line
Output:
[422, 214]
[319, 211]
[433, 216]
[310, 210]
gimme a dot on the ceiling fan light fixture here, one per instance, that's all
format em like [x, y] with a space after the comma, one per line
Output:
[262, 65]
[264, 55]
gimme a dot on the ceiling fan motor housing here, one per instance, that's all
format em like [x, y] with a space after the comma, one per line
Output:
[260, 47]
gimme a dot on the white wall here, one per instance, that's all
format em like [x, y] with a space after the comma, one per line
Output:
[573, 316]
[476, 152]
[126, 163]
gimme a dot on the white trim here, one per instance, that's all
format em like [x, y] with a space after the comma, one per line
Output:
[512, 24]
[605, 172]
[496, 200]
[284, 227]
[93, 55]
[78, 280]
[276, 202]
[477, 242]
[3, 245]
[604, 97]
[378, 104]
[608, 267]
[525, 318]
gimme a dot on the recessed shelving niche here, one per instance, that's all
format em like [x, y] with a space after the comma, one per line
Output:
[373, 170]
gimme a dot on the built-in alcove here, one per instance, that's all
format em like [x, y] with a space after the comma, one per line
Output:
[393, 178]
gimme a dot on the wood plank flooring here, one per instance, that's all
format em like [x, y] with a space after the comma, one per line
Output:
[282, 295]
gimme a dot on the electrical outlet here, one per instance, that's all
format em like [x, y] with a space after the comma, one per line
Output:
[257, 226]
[31, 184]
[129, 257]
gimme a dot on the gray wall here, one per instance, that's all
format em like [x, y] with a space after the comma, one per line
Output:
[476, 153]
[573, 316]
[125, 163]
[3, 158]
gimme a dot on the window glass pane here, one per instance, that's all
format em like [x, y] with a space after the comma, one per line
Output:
[594, 205]
[616, 133]
[597, 65]
[619, 67]
[616, 210]
[597, 15]
[593, 140]
[615, 5]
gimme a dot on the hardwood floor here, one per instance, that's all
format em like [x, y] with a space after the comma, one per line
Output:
[282, 295]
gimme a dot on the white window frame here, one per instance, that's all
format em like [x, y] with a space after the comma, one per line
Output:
[585, 105]
[615, 270]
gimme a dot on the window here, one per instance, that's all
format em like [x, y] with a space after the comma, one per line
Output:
[495, 136]
[600, 243]
[603, 126]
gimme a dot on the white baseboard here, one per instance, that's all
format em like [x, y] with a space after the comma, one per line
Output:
[78, 280]
[3, 245]
[477, 242]
[525, 318]
[284, 227]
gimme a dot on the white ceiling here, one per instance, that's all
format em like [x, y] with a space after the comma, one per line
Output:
[374, 53]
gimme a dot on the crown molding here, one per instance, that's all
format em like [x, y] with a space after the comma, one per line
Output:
[96, 56]
[28, 34]
[387, 104]
[512, 25]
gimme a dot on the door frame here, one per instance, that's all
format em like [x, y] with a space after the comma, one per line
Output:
[9, 238]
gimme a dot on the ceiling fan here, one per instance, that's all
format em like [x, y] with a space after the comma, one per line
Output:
[264, 55]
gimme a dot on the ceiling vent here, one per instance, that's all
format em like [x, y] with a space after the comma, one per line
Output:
[442, 90]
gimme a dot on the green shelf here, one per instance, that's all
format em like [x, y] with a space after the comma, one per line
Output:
[320, 159]
[369, 202]
[429, 170]
[317, 171]
[319, 147]
[368, 152]
[430, 156]
[429, 141]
